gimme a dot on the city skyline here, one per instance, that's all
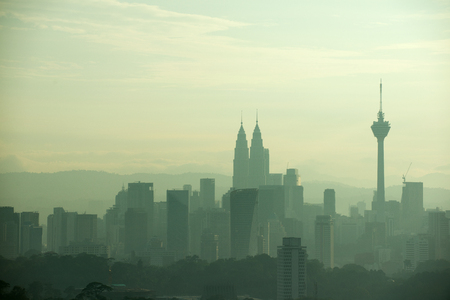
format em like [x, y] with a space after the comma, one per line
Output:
[81, 92]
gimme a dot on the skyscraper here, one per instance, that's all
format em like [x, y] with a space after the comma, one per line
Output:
[178, 222]
[243, 222]
[293, 194]
[208, 192]
[30, 232]
[291, 269]
[140, 196]
[9, 232]
[324, 240]
[240, 162]
[380, 130]
[257, 162]
[329, 202]
[412, 206]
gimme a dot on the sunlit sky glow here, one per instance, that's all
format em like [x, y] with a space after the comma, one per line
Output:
[159, 86]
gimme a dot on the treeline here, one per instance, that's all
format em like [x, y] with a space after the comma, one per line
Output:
[50, 276]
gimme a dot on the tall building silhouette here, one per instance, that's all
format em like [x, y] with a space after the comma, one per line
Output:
[240, 161]
[291, 269]
[243, 222]
[9, 232]
[412, 206]
[329, 202]
[380, 129]
[293, 194]
[324, 240]
[178, 222]
[30, 232]
[208, 192]
[257, 169]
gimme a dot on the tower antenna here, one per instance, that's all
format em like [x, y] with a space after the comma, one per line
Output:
[256, 116]
[241, 117]
[381, 98]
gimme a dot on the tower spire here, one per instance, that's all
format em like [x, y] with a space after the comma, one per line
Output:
[256, 116]
[381, 98]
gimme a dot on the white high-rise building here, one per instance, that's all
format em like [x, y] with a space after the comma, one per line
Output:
[291, 269]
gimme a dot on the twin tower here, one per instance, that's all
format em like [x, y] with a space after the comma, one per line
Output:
[250, 171]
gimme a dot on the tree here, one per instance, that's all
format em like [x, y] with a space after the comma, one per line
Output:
[92, 291]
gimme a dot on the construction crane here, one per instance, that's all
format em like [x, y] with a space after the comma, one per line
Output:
[404, 175]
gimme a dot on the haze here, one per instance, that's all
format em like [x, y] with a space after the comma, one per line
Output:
[159, 86]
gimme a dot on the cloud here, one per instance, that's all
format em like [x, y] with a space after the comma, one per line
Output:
[437, 47]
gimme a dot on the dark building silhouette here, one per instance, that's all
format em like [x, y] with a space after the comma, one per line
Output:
[438, 229]
[209, 246]
[178, 222]
[257, 162]
[270, 201]
[412, 206]
[30, 232]
[208, 192]
[293, 194]
[140, 196]
[86, 228]
[380, 129]
[243, 223]
[135, 230]
[240, 161]
[329, 202]
[9, 232]
[291, 269]
[324, 240]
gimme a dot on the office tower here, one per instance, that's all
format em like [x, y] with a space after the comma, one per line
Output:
[121, 201]
[56, 229]
[135, 230]
[178, 222]
[195, 201]
[188, 187]
[160, 213]
[9, 232]
[412, 206]
[140, 196]
[309, 221]
[208, 192]
[243, 222]
[115, 230]
[380, 130]
[31, 232]
[291, 269]
[438, 229]
[324, 240]
[270, 201]
[226, 200]
[329, 203]
[86, 228]
[257, 168]
[293, 194]
[240, 161]
[416, 250]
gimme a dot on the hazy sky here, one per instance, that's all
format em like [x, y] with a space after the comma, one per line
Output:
[158, 86]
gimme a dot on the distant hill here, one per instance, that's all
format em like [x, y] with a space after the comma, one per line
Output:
[94, 192]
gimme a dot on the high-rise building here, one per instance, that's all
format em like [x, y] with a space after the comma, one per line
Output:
[86, 228]
[241, 160]
[257, 162]
[329, 202]
[412, 206]
[270, 201]
[9, 232]
[178, 222]
[324, 240]
[243, 223]
[140, 196]
[291, 269]
[207, 192]
[136, 230]
[380, 129]
[293, 194]
[30, 232]
[416, 250]
[438, 229]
